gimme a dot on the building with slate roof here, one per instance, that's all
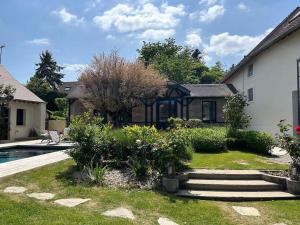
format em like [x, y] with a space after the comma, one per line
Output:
[23, 114]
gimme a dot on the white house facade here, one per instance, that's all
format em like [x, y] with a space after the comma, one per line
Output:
[268, 77]
[26, 112]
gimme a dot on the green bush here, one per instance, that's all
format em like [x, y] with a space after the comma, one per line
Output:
[208, 139]
[253, 141]
[179, 123]
[94, 140]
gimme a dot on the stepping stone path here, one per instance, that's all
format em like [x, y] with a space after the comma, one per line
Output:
[165, 221]
[71, 202]
[41, 196]
[246, 211]
[279, 224]
[15, 190]
[120, 212]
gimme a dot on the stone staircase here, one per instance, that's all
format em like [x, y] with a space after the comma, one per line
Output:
[232, 185]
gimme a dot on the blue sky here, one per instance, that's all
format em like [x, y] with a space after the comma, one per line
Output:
[75, 30]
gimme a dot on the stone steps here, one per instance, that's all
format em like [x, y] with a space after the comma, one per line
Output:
[237, 195]
[231, 185]
[225, 174]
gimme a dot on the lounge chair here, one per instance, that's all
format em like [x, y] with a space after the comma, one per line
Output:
[44, 135]
[54, 137]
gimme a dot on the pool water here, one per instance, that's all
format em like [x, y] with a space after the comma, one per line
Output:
[12, 154]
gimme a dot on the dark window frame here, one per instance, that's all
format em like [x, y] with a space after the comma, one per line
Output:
[20, 117]
[250, 93]
[250, 70]
[214, 120]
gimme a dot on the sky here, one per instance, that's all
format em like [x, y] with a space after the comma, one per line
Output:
[76, 30]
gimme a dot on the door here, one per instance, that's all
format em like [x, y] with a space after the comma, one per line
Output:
[4, 123]
[209, 111]
[165, 110]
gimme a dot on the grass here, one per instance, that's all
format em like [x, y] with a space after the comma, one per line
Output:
[232, 160]
[148, 206]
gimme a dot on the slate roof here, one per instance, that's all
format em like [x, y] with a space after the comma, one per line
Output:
[66, 87]
[209, 90]
[78, 91]
[289, 25]
[21, 93]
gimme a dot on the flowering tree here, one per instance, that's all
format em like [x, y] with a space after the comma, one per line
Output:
[292, 145]
[115, 86]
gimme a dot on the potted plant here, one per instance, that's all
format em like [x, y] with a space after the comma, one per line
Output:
[292, 145]
[170, 181]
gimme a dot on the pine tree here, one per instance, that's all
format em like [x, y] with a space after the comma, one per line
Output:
[49, 70]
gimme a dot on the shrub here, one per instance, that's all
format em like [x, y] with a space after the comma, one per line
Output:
[253, 141]
[94, 140]
[96, 174]
[178, 123]
[208, 140]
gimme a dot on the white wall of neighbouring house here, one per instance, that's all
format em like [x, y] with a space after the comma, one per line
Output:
[34, 118]
[274, 81]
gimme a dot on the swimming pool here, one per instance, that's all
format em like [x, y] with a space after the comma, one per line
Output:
[15, 153]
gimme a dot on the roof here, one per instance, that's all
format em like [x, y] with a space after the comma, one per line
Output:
[21, 93]
[78, 91]
[209, 90]
[289, 25]
[66, 87]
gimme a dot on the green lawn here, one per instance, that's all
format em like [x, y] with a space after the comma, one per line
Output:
[233, 160]
[146, 205]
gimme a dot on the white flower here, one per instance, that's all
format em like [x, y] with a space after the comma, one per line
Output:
[138, 142]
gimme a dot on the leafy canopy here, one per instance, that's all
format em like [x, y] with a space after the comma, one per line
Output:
[179, 63]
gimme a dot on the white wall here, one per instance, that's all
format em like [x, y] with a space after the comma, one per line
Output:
[35, 114]
[274, 80]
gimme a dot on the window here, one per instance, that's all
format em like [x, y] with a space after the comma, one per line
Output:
[20, 117]
[67, 88]
[250, 94]
[250, 70]
[167, 109]
[209, 111]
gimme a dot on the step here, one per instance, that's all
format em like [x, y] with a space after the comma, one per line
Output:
[224, 174]
[231, 185]
[237, 196]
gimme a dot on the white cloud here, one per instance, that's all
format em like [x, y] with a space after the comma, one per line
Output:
[39, 41]
[155, 35]
[127, 18]
[226, 44]
[91, 5]
[208, 2]
[211, 13]
[110, 37]
[243, 7]
[74, 67]
[194, 40]
[68, 18]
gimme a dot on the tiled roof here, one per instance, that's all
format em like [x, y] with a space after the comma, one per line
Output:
[289, 25]
[66, 87]
[208, 90]
[22, 93]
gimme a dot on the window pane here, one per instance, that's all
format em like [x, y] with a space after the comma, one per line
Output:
[209, 111]
[20, 117]
[250, 94]
[250, 70]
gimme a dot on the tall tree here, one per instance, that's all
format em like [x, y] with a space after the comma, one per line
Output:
[48, 70]
[213, 75]
[115, 86]
[176, 62]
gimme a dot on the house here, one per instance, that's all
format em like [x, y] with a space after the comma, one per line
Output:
[186, 101]
[269, 77]
[24, 113]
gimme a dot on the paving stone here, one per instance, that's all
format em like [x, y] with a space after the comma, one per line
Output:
[71, 202]
[165, 221]
[41, 196]
[120, 212]
[15, 189]
[246, 211]
[279, 224]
